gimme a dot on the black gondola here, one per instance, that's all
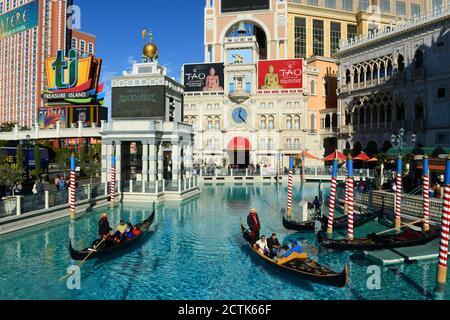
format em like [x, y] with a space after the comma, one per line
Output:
[303, 268]
[144, 227]
[340, 223]
[407, 238]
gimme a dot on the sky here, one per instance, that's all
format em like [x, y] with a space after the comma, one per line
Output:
[177, 31]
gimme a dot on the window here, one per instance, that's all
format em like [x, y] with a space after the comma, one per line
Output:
[288, 143]
[271, 123]
[82, 46]
[318, 38]
[91, 48]
[347, 5]
[401, 8]
[437, 4]
[441, 93]
[263, 143]
[313, 2]
[385, 6]
[74, 43]
[363, 5]
[263, 105]
[330, 4]
[262, 124]
[296, 144]
[300, 38]
[352, 31]
[415, 10]
[335, 36]
[217, 123]
[313, 87]
[297, 123]
[289, 123]
[210, 123]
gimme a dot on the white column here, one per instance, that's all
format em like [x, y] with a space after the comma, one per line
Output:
[118, 164]
[160, 163]
[104, 163]
[176, 161]
[153, 159]
[145, 162]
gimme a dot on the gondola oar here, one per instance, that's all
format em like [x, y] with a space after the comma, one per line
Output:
[402, 226]
[84, 261]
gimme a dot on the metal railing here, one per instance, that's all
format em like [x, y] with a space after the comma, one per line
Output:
[8, 207]
[58, 198]
[33, 202]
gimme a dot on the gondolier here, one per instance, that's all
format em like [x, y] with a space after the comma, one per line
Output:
[254, 224]
[103, 226]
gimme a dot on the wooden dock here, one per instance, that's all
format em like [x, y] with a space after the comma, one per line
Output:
[409, 255]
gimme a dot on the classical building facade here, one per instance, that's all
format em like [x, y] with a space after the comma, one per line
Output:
[84, 42]
[280, 122]
[396, 79]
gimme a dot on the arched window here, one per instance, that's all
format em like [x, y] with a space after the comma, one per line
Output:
[383, 70]
[401, 112]
[186, 120]
[297, 122]
[334, 120]
[356, 77]
[327, 121]
[369, 73]
[210, 123]
[194, 123]
[375, 72]
[262, 123]
[289, 123]
[348, 77]
[288, 143]
[418, 59]
[389, 69]
[401, 63]
[217, 123]
[271, 123]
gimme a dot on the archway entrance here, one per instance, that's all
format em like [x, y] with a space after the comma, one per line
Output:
[239, 152]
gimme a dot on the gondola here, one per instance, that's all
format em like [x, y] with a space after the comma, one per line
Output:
[407, 238]
[340, 223]
[144, 227]
[303, 267]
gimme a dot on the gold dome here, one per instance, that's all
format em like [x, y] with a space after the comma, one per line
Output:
[150, 51]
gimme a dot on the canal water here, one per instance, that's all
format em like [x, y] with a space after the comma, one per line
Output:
[195, 251]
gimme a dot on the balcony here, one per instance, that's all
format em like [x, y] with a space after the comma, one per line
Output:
[295, 147]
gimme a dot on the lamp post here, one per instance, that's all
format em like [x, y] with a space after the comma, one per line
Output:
[399, 142]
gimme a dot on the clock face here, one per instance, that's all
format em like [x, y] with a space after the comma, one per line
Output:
[240, 115]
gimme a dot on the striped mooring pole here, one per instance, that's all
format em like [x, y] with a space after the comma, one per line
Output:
[443, 251]
[113, 181]
[332, 197]
[426, 194]
[350, 190]
[72, 188]
[346, 196]
[398, 196]
[290, 186]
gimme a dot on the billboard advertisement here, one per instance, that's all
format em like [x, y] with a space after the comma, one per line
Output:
[280, 74]
[139, 102]
[204, 77]
[49, 116]
[247, 5]
[19, 19]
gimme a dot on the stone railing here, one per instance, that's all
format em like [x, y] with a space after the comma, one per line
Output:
[160, 187]
[19, 205]
[400, 25]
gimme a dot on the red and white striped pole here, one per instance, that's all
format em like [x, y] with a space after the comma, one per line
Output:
[72, 188]
[333, 197]
[426, 194]
[290, 187]
[113, 181]
[351, 204]
[346, 196]
[398, 196]
[445, 233]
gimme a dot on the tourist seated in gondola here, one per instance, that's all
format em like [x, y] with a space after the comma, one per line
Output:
[274, 245]
[128, 234]
[295, 248]
[262, 247]
[120, 231]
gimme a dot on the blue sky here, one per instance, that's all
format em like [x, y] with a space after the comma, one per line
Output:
[177, 27]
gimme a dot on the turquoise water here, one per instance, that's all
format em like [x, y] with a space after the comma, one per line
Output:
[195, 251]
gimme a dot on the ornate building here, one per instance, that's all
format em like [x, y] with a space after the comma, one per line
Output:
[278, 122]
[396, 79]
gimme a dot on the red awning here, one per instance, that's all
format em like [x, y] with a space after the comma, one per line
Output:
[362, 157]
[336, 155]
[239, 143]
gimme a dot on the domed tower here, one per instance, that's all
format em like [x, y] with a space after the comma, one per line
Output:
[150, 50]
